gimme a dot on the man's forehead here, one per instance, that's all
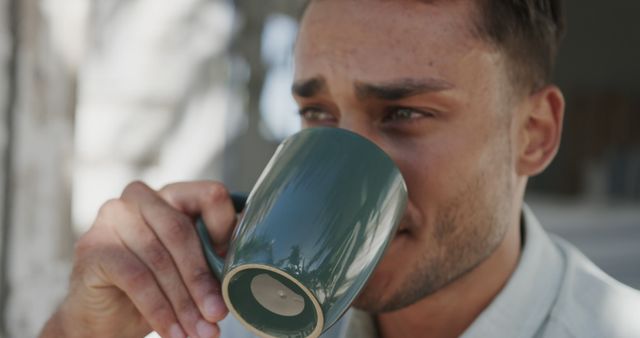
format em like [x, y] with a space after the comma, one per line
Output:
[417, 12]
[422, 1]
[383, 35]
[388, 50]
[308, 3]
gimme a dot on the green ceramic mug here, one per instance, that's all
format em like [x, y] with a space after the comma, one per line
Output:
[314, 228]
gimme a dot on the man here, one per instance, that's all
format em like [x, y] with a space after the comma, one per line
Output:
[458, 93]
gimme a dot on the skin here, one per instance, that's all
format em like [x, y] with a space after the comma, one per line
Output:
[140, 267]
[430, 93]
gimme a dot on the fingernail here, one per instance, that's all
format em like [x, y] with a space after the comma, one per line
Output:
[206, 330]
[176, 331]
[213, 307]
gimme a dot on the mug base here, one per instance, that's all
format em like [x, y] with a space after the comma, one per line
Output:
[271, 303]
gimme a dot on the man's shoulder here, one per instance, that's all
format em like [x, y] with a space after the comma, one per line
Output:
[591, 303]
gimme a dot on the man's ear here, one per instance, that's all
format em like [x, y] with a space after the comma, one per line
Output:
[540, 130]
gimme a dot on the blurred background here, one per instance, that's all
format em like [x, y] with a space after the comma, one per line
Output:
[94, 94]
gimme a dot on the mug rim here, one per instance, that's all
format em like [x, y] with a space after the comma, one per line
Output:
[354, 135]
[225, 295]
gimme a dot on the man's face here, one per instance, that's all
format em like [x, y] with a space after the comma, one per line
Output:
[413, 78]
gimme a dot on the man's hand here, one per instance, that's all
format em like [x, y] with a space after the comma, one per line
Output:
[140, 267]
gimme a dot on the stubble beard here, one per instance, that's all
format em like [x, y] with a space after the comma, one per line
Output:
[468, 229]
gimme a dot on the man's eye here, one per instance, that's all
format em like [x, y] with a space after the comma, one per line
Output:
[315, 114]
[404, 114]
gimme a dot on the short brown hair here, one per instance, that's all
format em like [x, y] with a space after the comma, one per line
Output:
[528, 32]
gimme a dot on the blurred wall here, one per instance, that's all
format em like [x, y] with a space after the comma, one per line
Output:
[598, 70]
[39, 132]
[102, 93]
[153, 98]
[6, 59]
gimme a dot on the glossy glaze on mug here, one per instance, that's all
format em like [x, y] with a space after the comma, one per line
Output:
[323, 211]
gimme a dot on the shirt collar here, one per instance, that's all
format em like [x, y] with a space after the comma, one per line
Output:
[521, 307]
[519, 310]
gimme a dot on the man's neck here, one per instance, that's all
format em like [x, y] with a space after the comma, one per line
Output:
[451, 310]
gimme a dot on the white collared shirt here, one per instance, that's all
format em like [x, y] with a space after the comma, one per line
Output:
[555, 291]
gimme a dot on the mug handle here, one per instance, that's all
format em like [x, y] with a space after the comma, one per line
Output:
[216, 263]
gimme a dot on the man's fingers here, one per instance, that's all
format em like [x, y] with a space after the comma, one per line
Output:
[206, 199]
[176, 233]
[134, 278]
[143, 243]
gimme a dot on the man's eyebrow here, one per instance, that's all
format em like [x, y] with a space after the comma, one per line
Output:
[399, 89]
[309, 87]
